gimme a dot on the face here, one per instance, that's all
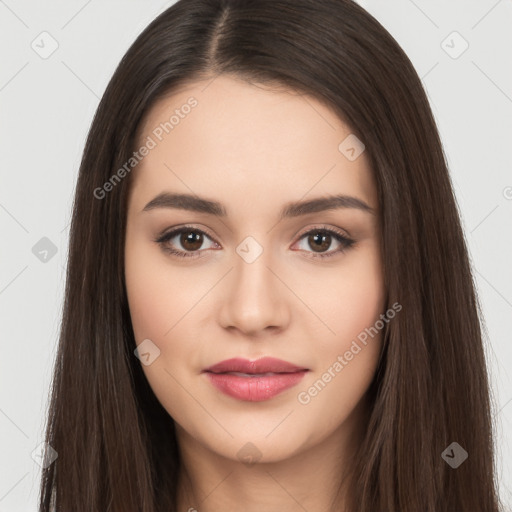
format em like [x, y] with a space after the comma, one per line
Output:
[263, 268]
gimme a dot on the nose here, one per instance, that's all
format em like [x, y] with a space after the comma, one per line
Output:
[254, 299]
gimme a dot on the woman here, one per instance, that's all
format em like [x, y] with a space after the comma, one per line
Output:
[269, 303]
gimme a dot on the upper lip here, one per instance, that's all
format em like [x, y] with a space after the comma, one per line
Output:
[262, 365]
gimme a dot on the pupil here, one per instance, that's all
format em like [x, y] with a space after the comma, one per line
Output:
[191, 240]
[320, 241]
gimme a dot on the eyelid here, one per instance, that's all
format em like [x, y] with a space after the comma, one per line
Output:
[341, 236]
[323, 227]
[176, 229]
[299, 234]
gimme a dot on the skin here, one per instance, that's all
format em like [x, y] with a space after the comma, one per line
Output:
[255, 149]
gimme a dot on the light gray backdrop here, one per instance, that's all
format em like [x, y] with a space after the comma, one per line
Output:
[56, 59]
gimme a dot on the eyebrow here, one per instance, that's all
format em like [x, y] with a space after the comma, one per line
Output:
[293, 209]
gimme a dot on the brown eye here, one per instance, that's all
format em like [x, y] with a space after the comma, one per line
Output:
[319, 242]
[191, 240]
[185, 242]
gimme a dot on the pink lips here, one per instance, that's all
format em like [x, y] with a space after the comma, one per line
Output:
[254, 381]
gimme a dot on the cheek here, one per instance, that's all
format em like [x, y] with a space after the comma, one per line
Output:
[157, 297]
[156, 309]
[346, 355]
[350, 300]
[145, 294]
[361, 303]
[162, 301]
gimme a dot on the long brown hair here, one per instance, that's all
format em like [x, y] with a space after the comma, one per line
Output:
[115, 442]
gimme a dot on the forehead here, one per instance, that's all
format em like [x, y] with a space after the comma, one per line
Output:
[229, 138]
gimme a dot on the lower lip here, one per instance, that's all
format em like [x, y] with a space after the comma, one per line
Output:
[254, 389]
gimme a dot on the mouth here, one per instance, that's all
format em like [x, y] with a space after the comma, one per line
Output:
[254, 381]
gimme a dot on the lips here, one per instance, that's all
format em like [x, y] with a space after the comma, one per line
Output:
[259, 366]
[254, 381]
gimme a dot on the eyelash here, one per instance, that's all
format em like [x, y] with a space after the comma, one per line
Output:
[346, 243]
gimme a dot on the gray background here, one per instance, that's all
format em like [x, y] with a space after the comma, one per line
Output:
[47, 105]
